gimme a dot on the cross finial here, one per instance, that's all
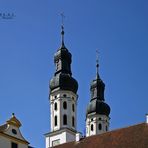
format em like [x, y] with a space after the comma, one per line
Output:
[62, 27]
[97, 62]
[62, 16]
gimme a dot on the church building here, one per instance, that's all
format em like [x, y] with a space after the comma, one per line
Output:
[63, 112]
[11, 136]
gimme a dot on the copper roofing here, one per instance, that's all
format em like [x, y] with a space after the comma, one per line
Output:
[14, 121]
[135, 136]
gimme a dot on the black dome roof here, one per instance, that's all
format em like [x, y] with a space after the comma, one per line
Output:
[97, 82]
[98, 107]
[65, 82]
[62, 78]
[63, 53]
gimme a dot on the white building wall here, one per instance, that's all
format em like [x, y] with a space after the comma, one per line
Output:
[58, 97]
[60, 138]
[70, 137]
[95, 120]
[6, 143]
[47, 140]
[9, 132]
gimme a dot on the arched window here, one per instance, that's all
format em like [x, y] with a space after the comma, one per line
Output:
[92, 127]
[64, 95]
[55, 120]
[64, 119]
[73, 107]
[65, 105]
[55, 106]
[73, 121]
[100, 126]
[106, 128]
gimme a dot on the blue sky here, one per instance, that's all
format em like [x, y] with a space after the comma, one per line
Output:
[119, 28]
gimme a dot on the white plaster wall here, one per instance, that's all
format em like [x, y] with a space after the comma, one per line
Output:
[18, 135]
[6, 143]
[47, 140]
[70, 98]
[70, 137]
[61, 137]
[95, 120]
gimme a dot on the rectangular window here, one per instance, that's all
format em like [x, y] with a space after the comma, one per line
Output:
[56, 142]
[14, 145]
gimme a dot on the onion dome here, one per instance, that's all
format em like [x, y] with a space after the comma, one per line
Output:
[63, 79]
[98, 107]
[97, 104]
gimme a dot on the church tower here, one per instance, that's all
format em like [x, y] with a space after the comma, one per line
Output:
[63, 99]
[97, 115]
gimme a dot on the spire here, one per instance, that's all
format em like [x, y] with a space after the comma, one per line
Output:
[97, 64]
[63, 76]
[62, 30]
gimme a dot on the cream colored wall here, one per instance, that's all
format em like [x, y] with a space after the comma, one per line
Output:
[6, 143]
[9, 132]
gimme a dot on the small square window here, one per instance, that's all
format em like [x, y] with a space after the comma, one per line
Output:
[14, 145]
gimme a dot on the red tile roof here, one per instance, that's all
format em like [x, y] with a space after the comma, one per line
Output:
[135, 136]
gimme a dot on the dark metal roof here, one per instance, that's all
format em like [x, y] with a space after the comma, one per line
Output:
[130, 137]
[97, 103]
[62, 78]
[64, 82]
[98, 107]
